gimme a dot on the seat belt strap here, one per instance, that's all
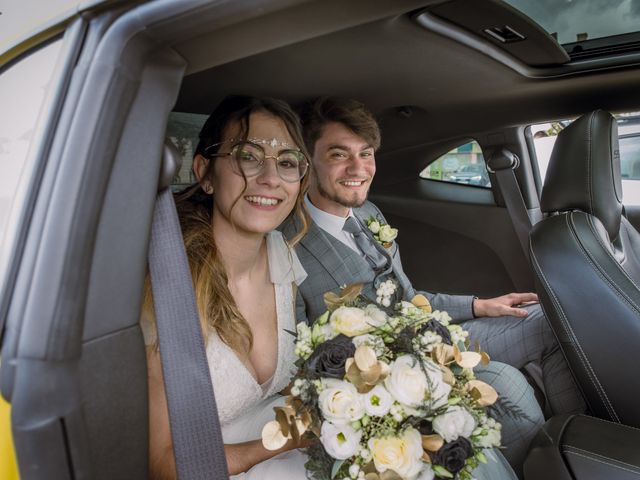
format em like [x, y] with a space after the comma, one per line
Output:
[503, 165]
[193, 416]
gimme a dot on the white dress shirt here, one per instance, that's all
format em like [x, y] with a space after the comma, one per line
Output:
[332, 224]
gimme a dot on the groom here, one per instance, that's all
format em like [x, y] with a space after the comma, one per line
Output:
[342, 137]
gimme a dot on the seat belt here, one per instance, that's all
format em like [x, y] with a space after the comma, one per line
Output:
[503, 164]
[195, 427]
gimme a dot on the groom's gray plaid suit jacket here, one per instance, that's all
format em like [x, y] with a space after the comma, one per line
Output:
[330, 264]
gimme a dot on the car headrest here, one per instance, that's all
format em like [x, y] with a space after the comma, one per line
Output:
[584, 171]
[171, 162]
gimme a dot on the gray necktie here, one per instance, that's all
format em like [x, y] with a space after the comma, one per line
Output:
[366, 244]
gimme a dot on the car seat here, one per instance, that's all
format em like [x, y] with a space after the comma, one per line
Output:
[586, 258]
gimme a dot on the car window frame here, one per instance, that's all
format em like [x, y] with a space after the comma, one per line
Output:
[39, 150]
[464, 141]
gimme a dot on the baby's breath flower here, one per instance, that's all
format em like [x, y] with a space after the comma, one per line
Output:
[457, 334]
[384, 292]
[365, 455]
[442, 317]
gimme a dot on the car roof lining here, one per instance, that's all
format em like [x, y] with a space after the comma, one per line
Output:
[451, 88]
[271, 27]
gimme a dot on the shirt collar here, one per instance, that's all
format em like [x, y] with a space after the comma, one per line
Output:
[327, 221]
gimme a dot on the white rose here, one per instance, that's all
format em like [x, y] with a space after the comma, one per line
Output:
[455, 422]
[409, 386]
[400, 454]
[406, 382]
[340, 402]
[440, 390]
[377, 402]
[387, 234]
[374, 226]
[350, 321]
[340, 441]
[375, 316]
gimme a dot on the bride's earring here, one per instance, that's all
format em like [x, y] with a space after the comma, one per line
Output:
[208, 188]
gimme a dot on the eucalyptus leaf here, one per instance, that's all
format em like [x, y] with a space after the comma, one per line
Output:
[336, 467]
[442, 472]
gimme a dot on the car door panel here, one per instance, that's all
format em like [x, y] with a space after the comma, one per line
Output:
[454, 238]
[73, 319]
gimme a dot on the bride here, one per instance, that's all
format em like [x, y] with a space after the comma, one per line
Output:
[251, 159]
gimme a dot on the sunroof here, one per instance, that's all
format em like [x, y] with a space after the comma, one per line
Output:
[573, 21]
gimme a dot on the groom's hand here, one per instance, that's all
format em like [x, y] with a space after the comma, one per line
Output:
[504, 305]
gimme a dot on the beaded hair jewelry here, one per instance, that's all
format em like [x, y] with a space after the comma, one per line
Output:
[273, 142]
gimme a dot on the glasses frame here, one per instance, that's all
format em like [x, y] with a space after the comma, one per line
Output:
[233, 154]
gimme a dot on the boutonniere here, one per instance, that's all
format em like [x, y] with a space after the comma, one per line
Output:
[382, 232]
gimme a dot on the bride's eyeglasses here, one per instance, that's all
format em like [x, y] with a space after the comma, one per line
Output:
[249, 160]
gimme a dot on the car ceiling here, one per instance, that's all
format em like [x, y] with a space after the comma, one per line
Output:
[377, 53]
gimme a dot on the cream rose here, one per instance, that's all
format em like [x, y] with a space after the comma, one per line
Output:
[340, 441]
[455, 422]
[400, 454]
[374, 226]
[350, 321]
[408, 384]
[340, 402]
[387, 234]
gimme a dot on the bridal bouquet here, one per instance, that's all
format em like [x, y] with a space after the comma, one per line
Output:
[388, 391]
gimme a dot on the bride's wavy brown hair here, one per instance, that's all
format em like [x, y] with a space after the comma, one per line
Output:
[216, 306]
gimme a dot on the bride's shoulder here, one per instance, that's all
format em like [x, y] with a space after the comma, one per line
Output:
[284, 265]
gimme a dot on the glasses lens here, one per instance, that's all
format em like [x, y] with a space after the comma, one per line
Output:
[249, 158]
[292, 165]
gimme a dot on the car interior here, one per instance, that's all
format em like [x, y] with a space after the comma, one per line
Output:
[438, 74]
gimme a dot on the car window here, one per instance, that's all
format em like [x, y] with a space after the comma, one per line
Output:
[24, 88]
[183, 130]
[464, 165]
[544, 138]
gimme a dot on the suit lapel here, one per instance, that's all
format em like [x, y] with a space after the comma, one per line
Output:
[332, 255]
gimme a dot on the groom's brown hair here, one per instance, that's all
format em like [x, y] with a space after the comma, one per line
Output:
[351, 113]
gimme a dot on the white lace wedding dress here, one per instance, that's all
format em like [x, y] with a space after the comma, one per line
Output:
[245, 406]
